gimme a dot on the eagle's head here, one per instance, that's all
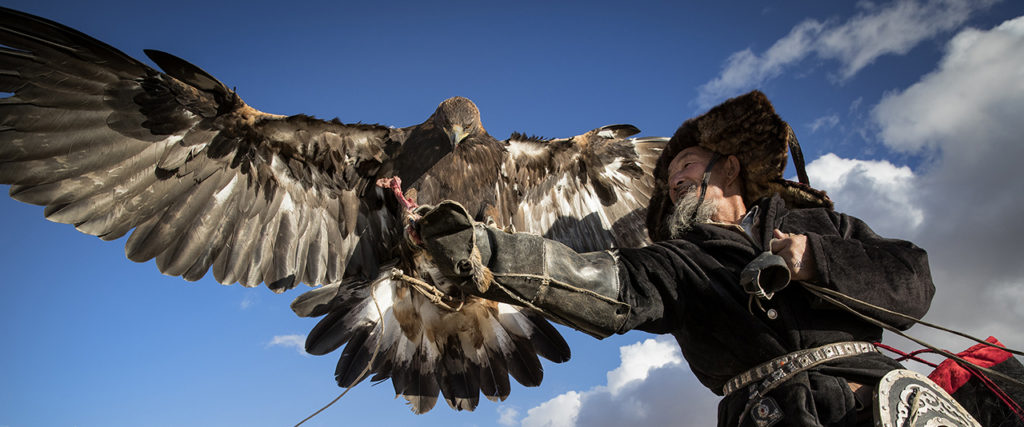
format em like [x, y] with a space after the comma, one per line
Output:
[459, 118]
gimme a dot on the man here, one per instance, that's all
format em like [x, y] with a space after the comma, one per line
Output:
[720, 204]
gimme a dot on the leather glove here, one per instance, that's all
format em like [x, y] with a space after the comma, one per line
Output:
[449, 236]
[577, 290]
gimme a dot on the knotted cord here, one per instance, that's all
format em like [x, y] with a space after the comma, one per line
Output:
[435, 295]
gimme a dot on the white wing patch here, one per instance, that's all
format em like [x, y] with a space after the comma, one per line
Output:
[520, 148]
[596, 197]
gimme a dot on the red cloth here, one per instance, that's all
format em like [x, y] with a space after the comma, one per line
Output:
[950, 375]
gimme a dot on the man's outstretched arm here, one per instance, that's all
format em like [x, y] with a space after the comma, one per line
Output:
[578, 290]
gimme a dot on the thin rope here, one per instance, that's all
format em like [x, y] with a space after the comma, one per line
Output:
[985, 380]
[904, 316]
[369, 364]
[428, 290]
[820, 292]
[998, 391]
[908, 356]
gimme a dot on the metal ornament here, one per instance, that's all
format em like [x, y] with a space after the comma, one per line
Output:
[766, 412]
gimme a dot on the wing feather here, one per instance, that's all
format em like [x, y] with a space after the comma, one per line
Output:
[201, 235]
[111, 145]
[544, 337]
[589, 191]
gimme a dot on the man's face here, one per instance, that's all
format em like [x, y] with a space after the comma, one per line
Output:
[686, 171]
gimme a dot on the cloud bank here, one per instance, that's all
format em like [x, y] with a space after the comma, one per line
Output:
[962, 204]
[652, 386]
[893, 29]
[965, 117]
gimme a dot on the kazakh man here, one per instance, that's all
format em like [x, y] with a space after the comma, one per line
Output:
[731, 239]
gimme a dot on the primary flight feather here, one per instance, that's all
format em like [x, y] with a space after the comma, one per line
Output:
[204, 182]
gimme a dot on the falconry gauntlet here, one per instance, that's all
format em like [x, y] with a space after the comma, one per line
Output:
[578, 290]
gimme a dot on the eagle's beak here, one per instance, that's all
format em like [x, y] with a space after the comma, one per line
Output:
[456, 134]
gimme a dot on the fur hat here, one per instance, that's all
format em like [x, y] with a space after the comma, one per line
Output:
[747, 127]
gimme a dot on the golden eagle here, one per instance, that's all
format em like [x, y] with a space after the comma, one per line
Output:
[203, 181]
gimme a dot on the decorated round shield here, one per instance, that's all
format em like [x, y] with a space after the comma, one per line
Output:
[908, 399]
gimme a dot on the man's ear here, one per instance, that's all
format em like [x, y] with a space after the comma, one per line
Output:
[732, 169]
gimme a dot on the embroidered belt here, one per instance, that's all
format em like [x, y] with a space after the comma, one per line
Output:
[779, 369]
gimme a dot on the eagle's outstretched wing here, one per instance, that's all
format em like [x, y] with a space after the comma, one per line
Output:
[590, 191]
[109, 144]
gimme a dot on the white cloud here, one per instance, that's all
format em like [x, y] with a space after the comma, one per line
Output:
[558, 412]
[507, 415]
[965, 115]
[296, 341]
[824, 122]
[248, 301]
[855, 105]
[746, 68]
[871, 189]
[639, 359]
[976, 88]
[652, 386]
[894, 29]
[879, 30]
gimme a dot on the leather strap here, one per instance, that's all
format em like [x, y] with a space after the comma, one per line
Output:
[704, 183]
[798, 158]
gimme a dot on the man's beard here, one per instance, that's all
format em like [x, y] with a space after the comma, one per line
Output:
[682, 219]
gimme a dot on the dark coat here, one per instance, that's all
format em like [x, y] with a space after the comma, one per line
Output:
[689, 288]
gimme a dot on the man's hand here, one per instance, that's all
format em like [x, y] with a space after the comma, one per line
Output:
[793, 249]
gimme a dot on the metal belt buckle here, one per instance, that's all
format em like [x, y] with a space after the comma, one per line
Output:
[765, 412]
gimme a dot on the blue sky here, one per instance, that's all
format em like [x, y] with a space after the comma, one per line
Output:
[908, 113]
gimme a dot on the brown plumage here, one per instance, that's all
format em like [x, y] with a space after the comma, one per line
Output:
[204, 182]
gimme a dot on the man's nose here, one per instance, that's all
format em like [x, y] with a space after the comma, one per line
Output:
[675, 184]
[676, 180]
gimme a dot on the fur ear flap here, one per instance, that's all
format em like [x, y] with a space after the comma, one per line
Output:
[799, 195]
